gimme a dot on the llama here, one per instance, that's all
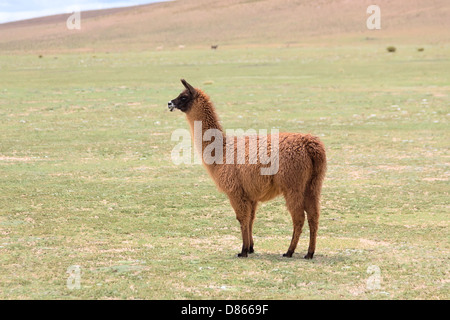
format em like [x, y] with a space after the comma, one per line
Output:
[302, 166]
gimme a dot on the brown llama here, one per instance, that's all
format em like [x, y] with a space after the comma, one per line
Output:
[299, 177]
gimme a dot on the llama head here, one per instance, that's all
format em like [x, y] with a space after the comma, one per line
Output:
[184, 100]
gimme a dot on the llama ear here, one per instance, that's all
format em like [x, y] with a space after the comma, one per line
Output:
[188, 86]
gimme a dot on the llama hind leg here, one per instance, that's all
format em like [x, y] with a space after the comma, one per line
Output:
[312, 207]
[296, 210]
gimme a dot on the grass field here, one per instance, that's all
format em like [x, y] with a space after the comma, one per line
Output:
[86, 176]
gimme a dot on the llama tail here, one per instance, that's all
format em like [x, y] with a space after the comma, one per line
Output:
[316, 151]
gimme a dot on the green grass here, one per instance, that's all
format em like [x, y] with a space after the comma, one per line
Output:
[86, 176]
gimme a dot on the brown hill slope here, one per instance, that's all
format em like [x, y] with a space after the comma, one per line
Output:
[231, 22]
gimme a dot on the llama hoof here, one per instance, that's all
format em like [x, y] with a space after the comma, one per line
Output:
[251, 250]
[309, 255]
[288, 254]
[242, 255]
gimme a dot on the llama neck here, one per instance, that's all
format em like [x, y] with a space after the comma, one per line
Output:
[206, 114]
[203, 115]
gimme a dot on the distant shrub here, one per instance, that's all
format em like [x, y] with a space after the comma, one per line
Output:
[40, 56]
[391, 49]
[420, 49]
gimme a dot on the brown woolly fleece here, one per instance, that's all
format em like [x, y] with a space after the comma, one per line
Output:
[302, 166]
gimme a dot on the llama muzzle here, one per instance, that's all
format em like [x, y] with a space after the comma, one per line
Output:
[171, 105]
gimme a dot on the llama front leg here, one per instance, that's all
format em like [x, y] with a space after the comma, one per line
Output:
[242, 209]
[252, 220]
[245, 230]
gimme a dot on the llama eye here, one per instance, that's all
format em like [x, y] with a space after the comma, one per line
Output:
[183, 98]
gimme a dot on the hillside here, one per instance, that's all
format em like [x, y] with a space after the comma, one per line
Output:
[231, 22]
